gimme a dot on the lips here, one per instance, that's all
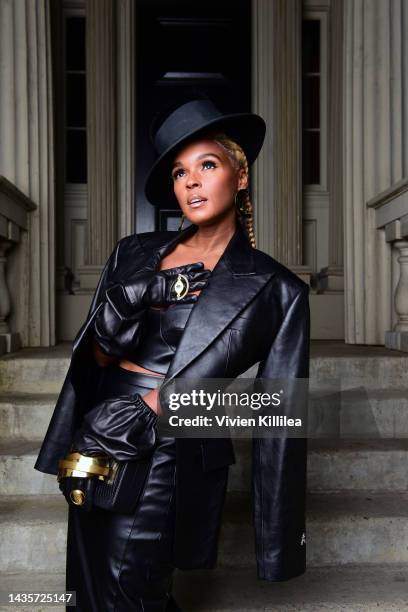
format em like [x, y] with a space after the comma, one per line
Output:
[195, 201]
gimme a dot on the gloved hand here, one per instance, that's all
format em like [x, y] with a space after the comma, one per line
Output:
[118, 323]
[78, 489]
[160, 288]
[123, 427]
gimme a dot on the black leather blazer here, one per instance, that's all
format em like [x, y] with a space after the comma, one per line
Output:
[252, 310]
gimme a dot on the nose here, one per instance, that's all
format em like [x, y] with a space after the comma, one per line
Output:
[192, 181]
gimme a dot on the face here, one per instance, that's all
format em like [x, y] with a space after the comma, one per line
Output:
[205, 181]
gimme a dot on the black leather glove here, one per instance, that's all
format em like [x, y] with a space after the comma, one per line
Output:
[118, 323]
[160, 288]
[123, 427]
[78, 491]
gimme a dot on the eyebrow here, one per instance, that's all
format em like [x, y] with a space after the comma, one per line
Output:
[179, 163]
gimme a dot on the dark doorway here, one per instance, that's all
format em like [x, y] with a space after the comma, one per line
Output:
[183, 45]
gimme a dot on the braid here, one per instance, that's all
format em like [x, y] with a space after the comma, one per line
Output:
[238, 158]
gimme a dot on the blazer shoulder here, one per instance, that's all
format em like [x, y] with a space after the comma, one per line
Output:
[146, 240]
[266, 263]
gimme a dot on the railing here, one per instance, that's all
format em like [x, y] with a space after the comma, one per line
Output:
[14, 210]
[391, 208]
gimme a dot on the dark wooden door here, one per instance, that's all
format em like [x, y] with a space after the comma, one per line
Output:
[184, 47]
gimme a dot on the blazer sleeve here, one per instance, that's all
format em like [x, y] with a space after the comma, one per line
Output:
[279, 463]
[81, 372]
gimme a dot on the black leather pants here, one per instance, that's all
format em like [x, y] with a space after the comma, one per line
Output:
[123, 563]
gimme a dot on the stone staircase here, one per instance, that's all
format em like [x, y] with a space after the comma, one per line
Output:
[357, 504]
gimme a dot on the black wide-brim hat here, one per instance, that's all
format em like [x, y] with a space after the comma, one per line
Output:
[192, 119]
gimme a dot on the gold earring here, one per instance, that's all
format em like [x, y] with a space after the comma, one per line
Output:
[183, 216]
[239, 206]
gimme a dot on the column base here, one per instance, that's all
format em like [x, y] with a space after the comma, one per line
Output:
[397, 340]
[9, 342]
[331, 279]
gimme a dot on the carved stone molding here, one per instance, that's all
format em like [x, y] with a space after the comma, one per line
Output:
[14, 219]
[27, 160]
[391, 217]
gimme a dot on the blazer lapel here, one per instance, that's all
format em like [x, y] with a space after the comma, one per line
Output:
[154, 254]
[234, 282]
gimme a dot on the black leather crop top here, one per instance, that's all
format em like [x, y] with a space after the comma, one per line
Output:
[162, 330]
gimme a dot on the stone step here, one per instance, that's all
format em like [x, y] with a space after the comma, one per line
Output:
[25, 416]
[369, 465]
[339, 465]
[376, 465]
[32, 582]
[358, 412]
[17, 473]
[356, 588]
[33, 369]
[341, 529]
[33, 533]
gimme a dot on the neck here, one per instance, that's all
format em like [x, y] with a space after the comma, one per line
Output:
[213, 238]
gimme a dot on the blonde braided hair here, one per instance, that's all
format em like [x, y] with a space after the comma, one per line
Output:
[239, 160]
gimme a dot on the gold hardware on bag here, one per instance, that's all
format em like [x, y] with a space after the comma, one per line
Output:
[77, 497]
[94, 466]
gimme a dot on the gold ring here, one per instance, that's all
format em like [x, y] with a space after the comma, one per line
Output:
[181, 286]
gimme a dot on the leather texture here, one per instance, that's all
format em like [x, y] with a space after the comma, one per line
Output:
[253, 310]
[120, 562]
[161, 333]
[122, 427]
[120, 322]
[117, 323]
[159, 289]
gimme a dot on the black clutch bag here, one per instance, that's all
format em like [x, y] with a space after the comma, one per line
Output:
[101, 481]
[111, 455]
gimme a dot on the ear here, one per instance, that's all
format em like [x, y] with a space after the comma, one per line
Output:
[242, 179]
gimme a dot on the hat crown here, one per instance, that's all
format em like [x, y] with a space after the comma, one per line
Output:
[189, 120]
[185, 120]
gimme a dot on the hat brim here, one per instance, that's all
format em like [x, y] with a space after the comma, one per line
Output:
[247, 129]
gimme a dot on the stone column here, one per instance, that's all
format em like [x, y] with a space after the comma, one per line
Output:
[375, 141]
[102, 227]
[126, 115]
[27, 161]
[331, 277]
[276, 87]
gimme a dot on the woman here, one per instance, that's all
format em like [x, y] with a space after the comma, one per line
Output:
[134, 334]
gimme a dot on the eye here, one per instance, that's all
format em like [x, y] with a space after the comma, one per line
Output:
[209, 161]
[176, 173]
